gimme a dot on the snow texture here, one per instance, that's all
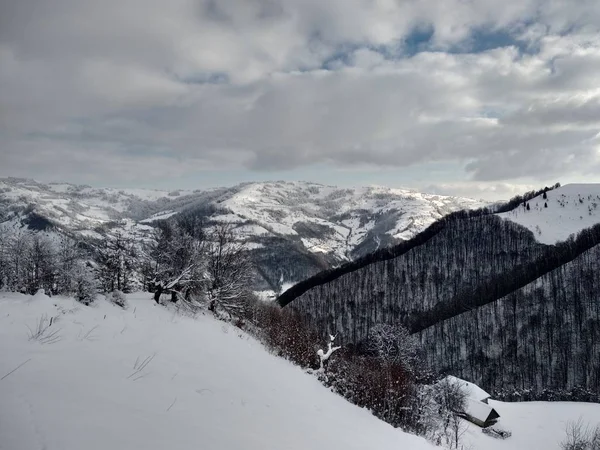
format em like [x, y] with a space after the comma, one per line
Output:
[566, 211]
[471, 390]
[148, 378]
[327, 219]
[534, 425]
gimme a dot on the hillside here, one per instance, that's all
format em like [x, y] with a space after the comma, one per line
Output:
[294, 229]
[208, 385]
[543, 336]
[464, 266]
[565, 211]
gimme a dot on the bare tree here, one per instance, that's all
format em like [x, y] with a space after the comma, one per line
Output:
[393, 344]
[39, 263]
[84, 283]
[581, 437]
[115, 262]
[67, 258]
[175, 262]
[18, 244]
[228, 271]
[4, 258]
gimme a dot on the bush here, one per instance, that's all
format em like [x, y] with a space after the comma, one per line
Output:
[387, 389]
[382, 378]
[581, 437]
[118, 298]
[285, 333]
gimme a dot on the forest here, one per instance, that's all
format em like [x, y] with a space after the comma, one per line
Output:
[542, 337]
[486, 300]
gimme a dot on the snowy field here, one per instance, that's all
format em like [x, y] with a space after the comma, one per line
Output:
[534, 425]
[149, 378]
[205, 386]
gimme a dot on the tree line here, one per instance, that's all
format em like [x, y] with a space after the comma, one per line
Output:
[184, 260]
[387, 253]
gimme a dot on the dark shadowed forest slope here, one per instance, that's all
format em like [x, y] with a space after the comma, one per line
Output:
[463, 256]
[391, 252]
[479, 289]
[545, 335]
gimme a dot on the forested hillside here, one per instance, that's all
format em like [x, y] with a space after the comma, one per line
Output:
[545, 336]
[489, 301]
[405, 288]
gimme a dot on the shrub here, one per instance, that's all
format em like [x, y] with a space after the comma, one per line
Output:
[385, 388]
[581, 437]
[285, 333]
[118, 298]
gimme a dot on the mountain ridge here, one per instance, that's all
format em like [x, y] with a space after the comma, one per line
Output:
[320, 226]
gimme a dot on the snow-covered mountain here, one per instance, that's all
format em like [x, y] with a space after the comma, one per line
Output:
[77, 208]
[330, 220]
[294, 228]
[559, 213]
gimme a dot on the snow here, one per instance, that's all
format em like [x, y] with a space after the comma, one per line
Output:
[571, 208]
[478, 410]
[471, 390]
[335, 221]
[534, 425]
[206, 385]
[349, 213]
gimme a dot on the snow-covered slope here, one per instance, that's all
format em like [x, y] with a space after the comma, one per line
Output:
[75, 209]
[205, 385]
[534, 425]
[339, 221]
[566, 210]
[72, 206]
[325, 219]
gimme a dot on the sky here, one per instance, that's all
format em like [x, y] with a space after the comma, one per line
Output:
[481, 98]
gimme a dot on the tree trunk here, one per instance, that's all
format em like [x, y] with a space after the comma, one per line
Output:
[157, 294]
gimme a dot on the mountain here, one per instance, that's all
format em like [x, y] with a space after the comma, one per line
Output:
[487, 295]
[294, 229]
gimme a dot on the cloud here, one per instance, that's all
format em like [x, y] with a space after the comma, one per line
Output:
[478, 190]
[505, 90]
